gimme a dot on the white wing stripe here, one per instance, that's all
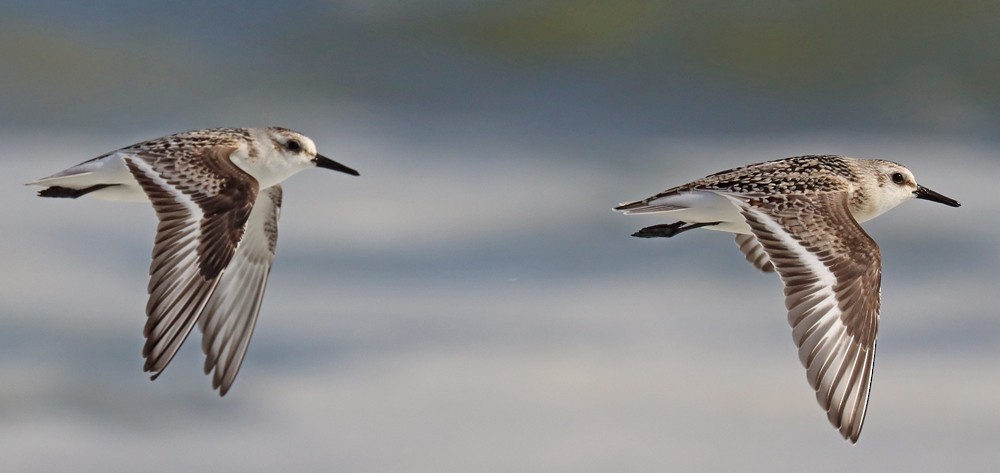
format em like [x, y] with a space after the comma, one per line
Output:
[178, 293]
[837, 365]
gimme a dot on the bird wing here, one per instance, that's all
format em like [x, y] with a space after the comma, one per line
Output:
[231, 312]
[754, 252]
[202, 201]
[831, 270]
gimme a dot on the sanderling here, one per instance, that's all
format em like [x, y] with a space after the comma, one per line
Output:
[800, 216]
[217, 196]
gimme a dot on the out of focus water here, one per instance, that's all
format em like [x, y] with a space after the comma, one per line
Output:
[471, 303]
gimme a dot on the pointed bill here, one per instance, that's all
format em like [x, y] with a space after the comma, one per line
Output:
[327, 163]
[927, 194]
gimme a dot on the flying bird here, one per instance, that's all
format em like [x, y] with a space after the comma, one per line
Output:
[217, 195]
[800, 217]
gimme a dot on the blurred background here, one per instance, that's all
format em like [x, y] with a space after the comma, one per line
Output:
[471, 303]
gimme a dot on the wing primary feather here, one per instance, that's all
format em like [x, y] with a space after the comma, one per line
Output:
[231, 314]
[199, 228]
[831, 270]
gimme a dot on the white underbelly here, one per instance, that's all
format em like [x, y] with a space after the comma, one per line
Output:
[705, 207]
[110, 171]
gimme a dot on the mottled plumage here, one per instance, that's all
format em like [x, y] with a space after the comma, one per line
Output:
[800, 217]
[217, 198]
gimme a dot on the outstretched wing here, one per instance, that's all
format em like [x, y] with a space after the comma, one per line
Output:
[832, 274]
[231, 312]
[203, 202]
[754, 252]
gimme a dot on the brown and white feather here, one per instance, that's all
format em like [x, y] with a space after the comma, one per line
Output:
[831, 270]
[231, 313]
[202, 201]
[754, 252]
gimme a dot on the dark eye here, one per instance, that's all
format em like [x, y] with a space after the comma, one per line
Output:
[898, 178]
[295, 146]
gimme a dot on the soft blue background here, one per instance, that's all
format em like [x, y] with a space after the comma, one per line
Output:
[470, 303]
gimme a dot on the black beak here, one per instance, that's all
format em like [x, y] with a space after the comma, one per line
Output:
[927, 194]
[325, 162]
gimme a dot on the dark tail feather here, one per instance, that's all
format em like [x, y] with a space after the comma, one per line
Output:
[630, 205]
[57, 191]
